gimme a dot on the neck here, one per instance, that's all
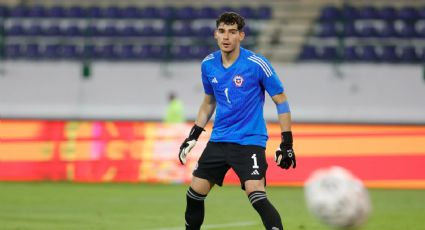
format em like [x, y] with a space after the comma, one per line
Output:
[228, 58]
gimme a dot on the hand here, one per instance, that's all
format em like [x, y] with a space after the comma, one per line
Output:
[285, 156]
[189, 143]
[185, 148]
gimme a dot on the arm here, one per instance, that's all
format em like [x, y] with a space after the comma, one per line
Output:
[285, 120]
[206, 110]
[285, 156]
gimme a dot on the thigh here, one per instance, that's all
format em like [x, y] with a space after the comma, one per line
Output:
[249, 163]
[212, 165]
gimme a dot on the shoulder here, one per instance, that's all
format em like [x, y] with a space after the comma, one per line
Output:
[259, 61]
[210, 57]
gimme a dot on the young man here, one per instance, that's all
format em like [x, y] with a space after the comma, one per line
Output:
[234, 81]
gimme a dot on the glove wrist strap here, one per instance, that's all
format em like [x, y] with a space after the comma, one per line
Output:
[195, 132]
[287, 138]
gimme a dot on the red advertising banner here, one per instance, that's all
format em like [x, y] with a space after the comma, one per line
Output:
[126, 151]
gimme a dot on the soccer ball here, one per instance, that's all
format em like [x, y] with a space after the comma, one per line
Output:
[337, 197]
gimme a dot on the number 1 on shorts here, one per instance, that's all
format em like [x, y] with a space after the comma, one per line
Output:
[254, 157]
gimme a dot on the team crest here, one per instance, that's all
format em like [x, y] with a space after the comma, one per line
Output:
[238, 80]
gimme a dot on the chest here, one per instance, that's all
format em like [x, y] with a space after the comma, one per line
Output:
[237, 79]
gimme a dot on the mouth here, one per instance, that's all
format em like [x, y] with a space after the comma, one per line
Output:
[225, 44]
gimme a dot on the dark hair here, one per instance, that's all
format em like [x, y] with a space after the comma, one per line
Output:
[230, 18]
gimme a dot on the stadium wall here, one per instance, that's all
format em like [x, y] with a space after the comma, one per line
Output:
[138, 91]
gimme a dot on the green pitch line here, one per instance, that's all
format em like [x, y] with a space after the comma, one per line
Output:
[66, 206]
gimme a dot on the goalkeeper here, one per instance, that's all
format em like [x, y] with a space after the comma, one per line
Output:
[235, 80]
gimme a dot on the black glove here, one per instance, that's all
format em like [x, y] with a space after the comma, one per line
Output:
[189, 143]
[285, 156]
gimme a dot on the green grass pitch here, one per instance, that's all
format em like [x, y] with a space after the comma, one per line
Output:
[57, 206]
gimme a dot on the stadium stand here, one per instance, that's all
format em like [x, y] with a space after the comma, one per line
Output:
[117, 32]
[367, 33]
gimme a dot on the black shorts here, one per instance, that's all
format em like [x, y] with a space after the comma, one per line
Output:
[248, 161]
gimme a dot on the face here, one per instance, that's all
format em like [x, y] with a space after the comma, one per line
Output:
[228, 37]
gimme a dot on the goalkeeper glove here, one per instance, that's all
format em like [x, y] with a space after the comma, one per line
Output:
[189, 143]
[285, 156]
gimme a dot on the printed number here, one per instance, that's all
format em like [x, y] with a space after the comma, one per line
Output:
[254, 157]
[226, 91]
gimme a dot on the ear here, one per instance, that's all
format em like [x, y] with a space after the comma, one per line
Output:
[241, 36]
[215, 34]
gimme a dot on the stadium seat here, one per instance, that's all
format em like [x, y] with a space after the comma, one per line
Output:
[182, 52]
[389, 54]
[37, 11]
[73, 30]
[421, 13]
[129, 31]
[368, 12]
[18, 11]
[330, 13]
[52, 51]
[264, 13]
[56, 12]
[369, 54]
[145, 52]
[408, 31]
[53, 30]
[32, 51]
[409, 14]
[127, 52]
[247, 12]
[205, 32]
[308, 53]
[69, 51]
[201, 52]
[150, 12]
[34, 30]
[186, 13]
[4, 11]
[110, 31]
[349, 30]
[131, 12]
[160, 52]
[349, 13]
[13, 51]
[90, 51]
[368, 31]
[328, 29]
[408, 55]
[168, 13]
[108, 52]
[329, 53]
[148, 30]
[350, 54]
[225, 9]
[112, 12]
[388, 13]
[388, 30]
[207, 12]
[94, 12]
[185, 31]
[92, 30]
[76, 12]
[15, 30]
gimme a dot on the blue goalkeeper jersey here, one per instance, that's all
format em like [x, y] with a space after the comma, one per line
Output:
[239, 92]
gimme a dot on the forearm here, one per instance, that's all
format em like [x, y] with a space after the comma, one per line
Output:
[284, 115]
[205, 112]
[285, 121]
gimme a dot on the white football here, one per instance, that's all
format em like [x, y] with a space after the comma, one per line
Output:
[337, 197]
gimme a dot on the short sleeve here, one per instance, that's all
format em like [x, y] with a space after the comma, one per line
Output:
[268, 77]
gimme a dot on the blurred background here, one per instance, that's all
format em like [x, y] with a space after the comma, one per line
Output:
[85, 87]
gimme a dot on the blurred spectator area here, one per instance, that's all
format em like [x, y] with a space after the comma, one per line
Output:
[380, 31]
[375, 31]
[124, 30]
